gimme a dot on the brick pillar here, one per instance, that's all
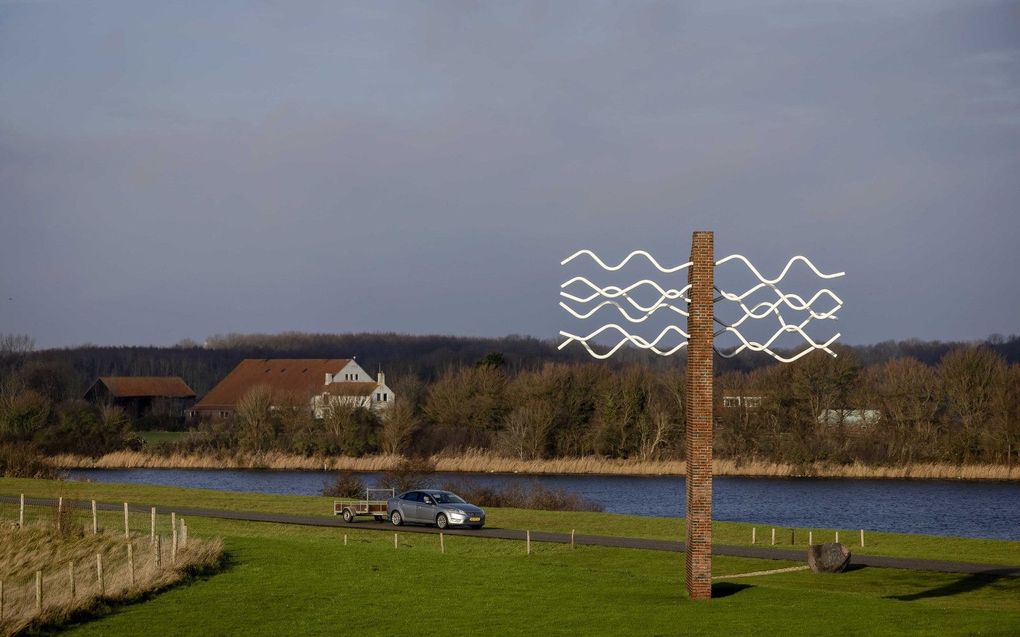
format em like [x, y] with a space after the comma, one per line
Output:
[698, 556]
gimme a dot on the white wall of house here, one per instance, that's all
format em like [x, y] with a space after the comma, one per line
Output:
[351, 373]
[380, 399]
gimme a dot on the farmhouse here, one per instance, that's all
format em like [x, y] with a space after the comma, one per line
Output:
[165, 397]
[733, 399]
[317, 382]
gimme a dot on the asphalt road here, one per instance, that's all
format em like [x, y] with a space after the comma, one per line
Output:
[541, 536]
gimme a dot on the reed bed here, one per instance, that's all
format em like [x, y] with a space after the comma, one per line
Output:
[41, 547]
[477, 461]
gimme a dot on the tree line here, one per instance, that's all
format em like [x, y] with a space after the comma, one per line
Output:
[933, 401]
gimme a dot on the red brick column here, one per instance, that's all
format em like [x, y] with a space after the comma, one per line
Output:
[698, 556]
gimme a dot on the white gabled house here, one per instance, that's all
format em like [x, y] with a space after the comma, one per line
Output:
[318, 381]
[348, 388]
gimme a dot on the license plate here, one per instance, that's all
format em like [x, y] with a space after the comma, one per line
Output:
[476, 519]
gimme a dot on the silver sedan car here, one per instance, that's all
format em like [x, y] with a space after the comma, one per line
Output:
[429, 506]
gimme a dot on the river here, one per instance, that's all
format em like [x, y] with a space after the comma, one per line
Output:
[935, 507]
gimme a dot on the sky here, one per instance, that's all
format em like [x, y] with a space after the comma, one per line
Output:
[177, 170]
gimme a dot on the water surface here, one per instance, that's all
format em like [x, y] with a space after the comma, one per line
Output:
[931, 507]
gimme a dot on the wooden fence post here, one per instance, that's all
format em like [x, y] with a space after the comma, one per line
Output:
[837, 537]
[21, 514]
[131, 563]
[70, 578]
[173, 548]
[442, 544]
[95, 519]
[528, 541]
[152, 525]
[173, 520]
[127, 531]
[773, 536]
[60, 511]
[159, 551]
[754, 535]
[345, 539]
[810, 537]
[862, 538]
[571, 538]
[184, 533]
[99, 574]
[38, 591]
[793, 536]
[394, 540]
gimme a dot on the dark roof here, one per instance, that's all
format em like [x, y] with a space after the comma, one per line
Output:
[301, 377]
[145, 386]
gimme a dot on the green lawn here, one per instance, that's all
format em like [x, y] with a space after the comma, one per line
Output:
[285, 579]
[157, 437]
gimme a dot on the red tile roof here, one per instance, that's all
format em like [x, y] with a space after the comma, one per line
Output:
[142, 386]
[300, 377]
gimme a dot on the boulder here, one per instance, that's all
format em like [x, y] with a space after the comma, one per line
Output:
[828, 558]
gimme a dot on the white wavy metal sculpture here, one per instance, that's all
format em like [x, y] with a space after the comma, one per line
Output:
[764, 309]
[667, 296]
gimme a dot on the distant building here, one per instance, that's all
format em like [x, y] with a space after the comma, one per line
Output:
[733, 400]
[850, 417]
[317, 382]
[143, 397]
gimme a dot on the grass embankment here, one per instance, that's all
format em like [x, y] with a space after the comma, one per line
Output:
[584, 523]
[285, 579]
[62, 552]
[481, 462]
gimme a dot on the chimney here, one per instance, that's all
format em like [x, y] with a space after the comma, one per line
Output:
[382, 378]
[329, 378]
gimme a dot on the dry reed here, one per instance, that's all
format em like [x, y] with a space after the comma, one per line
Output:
[478, 461]
[39, 547]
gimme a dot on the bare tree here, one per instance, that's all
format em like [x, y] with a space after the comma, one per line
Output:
[255, 418]
[974, 384]
[401, 421]
[525, 432]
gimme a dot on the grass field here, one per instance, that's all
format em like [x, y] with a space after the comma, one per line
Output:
[157, 437]
[284, 579]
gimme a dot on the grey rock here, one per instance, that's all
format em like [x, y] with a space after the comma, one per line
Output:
[828, 558]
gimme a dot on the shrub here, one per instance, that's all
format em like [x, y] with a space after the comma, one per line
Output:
[533, 495]
[346, 485]
[24, 461]
[410, 473]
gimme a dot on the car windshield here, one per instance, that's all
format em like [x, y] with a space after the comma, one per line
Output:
[447, 498]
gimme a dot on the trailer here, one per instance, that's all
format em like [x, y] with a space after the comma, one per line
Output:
[371, 505]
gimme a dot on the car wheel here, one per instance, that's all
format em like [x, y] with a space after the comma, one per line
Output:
[396, 518]
[348, 516]
[441, 521]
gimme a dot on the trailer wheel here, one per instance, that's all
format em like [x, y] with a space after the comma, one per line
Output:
[396, 518]
[348, 516]
[441, 521]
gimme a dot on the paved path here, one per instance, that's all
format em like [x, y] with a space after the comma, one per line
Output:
[540, 536]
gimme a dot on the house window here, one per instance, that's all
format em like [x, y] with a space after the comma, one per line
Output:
[384, 397]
